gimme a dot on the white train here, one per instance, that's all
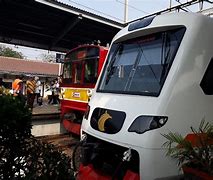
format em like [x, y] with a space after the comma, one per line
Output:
[158, 77]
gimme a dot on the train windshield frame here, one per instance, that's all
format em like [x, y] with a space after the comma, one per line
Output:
[81, 66]
[140, 65]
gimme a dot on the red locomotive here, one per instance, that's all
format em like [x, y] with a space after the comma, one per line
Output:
[82, 66]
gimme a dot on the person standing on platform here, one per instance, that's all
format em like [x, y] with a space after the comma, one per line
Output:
[17, 86]
[2, 87]
[30, 91]
[51, 97]
[1, 83]
[57, 89]
[38, 91]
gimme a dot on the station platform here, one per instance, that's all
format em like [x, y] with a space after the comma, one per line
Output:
[46, 120]
[46, 109]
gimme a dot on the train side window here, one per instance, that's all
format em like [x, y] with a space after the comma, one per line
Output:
[67, 72]
[91, 70]
[207, 81]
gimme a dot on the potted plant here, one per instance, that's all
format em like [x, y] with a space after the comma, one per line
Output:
[193, 152]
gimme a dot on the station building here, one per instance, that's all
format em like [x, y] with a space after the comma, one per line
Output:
[10, 68]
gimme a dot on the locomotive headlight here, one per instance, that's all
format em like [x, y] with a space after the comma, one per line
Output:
[146, 123]
[62, 90]
[62, 93]
[89, 92]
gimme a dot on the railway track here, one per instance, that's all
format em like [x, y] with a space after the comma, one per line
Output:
[46, 116]
[44, 119]
[64, 142]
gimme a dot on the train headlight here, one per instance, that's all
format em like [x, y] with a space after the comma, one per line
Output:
[89, 92]
[146, 123]
[62, 90]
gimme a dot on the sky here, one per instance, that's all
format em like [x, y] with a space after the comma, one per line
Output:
[114, 9]
[111, 9]
[29, 53]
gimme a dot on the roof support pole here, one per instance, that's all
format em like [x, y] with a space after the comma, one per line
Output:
[126, 11]
[170, 3]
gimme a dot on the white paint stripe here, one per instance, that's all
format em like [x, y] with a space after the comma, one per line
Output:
[74, 100]
[73, 88]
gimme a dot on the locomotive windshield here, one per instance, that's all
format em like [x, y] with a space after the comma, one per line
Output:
[140, 65]
[81, 66]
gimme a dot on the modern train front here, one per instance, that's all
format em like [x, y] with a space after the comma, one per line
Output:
[81, 68]
[150, 85]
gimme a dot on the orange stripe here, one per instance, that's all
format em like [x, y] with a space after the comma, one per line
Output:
[31, 86]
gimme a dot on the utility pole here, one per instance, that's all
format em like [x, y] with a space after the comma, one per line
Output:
[170, 4]
[126, 11]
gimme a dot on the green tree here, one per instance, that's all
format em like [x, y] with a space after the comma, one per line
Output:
[48, 57]
[9, 52]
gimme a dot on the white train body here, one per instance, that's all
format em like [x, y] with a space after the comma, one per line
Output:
[176, 51]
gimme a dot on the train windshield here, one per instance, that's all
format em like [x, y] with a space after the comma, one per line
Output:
[140, 65]
[81, 66]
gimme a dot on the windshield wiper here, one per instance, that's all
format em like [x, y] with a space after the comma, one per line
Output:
[132, 72]
[166, 47]
[149, 65]
[110, 68]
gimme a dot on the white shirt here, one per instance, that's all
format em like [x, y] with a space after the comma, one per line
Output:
[38, 87]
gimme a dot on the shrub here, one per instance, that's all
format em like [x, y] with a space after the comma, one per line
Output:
[21, 155]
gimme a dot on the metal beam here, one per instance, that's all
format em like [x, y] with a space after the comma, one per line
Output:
[68, 27]
[31, 44]
[84, 14]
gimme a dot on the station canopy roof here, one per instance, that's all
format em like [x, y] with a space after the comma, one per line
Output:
[52, 25]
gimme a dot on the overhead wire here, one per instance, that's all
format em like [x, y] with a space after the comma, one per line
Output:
[181, 4]
[79, 4]
[133, 7]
